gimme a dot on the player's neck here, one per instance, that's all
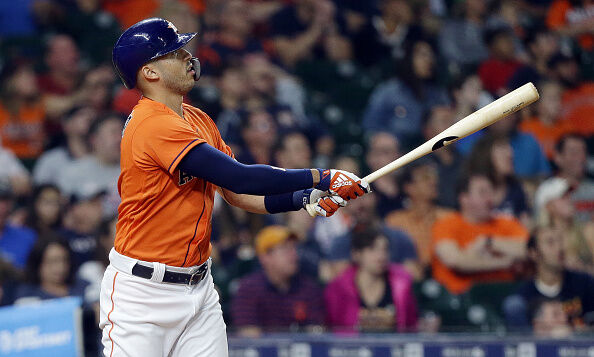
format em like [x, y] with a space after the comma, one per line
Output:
[172, 101]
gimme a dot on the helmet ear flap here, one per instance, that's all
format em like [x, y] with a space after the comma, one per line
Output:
[196, 66]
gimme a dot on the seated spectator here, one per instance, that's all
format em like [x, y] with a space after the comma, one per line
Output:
[49, 273]
[460, 39]
[293, 151]
[496, 70]
[21, 111]
[383, 148]
[259, 134]
[419, 183]
[547, 126]
[563, 18]
[14, 172]
[359, 216]
[447, 159]
[529, 159]
[233, 39]
[397, 105]
[44, 214]
[577, 93]
[554, 208]
[277, 297]
[75, 125]
[308, 29]
[492, 155]
[468, 94]
[15, 242]
[81, 222]
[372, 295]
[552, 281]
[475, 245]
[550, 320]
[101, 169]
[570, 157]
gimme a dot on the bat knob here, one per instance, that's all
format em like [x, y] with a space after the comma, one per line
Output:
[311, 209]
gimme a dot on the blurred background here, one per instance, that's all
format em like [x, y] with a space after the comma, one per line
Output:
[490, 237]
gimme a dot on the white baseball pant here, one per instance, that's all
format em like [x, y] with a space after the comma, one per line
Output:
[146, 318]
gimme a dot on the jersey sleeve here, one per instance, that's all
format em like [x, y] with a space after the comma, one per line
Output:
[163, 141]
[515, 229]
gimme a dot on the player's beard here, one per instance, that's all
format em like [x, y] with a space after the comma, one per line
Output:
[179, 84]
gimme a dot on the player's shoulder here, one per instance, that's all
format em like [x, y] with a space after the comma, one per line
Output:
[196, 113]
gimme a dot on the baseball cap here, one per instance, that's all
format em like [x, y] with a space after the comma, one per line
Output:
[272, 236]
[549, 190]
[87, 192]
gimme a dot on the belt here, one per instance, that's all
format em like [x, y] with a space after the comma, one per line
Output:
[172, 277]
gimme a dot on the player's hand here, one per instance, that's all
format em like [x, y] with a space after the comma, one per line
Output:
[324, 205]
[342, 183]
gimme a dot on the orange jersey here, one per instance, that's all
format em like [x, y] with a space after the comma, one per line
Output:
[547, 136]
[23, 135]
[165, 214]
[455, 228]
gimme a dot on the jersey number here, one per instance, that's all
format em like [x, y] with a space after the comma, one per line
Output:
[184, 178]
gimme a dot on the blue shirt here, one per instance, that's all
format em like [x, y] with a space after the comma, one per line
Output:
[15, 244]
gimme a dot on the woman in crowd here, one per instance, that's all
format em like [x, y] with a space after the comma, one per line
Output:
[44, 214]
[372, 295]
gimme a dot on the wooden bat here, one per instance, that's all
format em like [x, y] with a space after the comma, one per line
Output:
[487, 115]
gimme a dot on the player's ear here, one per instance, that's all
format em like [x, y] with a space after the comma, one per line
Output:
[149, 72]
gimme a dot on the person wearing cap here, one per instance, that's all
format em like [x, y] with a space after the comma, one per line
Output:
[551, 281]
[554, 208]
[15, 242]
[157, 295]
[278, 297]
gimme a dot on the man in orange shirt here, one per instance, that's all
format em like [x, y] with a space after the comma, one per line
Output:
[157, 294]
[474, 245]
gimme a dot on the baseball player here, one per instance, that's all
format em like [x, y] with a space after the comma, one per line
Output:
[157, 294]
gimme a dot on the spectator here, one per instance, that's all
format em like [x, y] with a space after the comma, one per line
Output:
[76, 125]
[541, 44]
[15, 242]
[372, 295]
[529, 159]
[419, 183]
[547, 126]
[460, 39]
[101, 169]
[21, 111]
[293, 151]
[49, 273]
[233, 90]
[573, 19]
[552, 281]
[359, 217]
[309, 29]
[259, 134]
[570, 158]
[398, 105]
[44, 214]
[492, 155]
[14, 172]
[555, 209]
[81, 222]
[387, 35]
[496, 70]
[447, 159]
[227, 46]
[383, 148]
[550, 320]
[577, 93]
[474, 245]
[278, 297]
[468, 95]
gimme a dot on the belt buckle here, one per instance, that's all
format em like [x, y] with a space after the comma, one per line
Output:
[197, 272]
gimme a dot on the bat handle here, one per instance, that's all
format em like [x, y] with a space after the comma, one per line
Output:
[310, 208]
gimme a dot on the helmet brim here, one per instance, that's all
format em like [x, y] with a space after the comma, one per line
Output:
[182, 40]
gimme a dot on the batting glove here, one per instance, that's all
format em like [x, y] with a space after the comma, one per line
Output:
[342, 183]
[325, 205]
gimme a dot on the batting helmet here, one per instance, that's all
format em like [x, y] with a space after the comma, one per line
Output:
[142, 42]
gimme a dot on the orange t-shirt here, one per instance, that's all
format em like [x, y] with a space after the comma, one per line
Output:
[455, 228]
[165, 214]
[562, 13]
[24, 135]
[578, 106]
[547, 136]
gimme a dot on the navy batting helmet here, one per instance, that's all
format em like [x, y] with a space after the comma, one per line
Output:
[144, 41]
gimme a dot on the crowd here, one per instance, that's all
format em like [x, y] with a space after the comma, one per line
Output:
[493, 232]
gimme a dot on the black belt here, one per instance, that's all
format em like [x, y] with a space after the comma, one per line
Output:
[171, 276]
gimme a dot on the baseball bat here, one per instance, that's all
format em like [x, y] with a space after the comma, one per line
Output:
[487, 115]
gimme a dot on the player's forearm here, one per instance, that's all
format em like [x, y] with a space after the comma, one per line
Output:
[212, 165]
[250, 203]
